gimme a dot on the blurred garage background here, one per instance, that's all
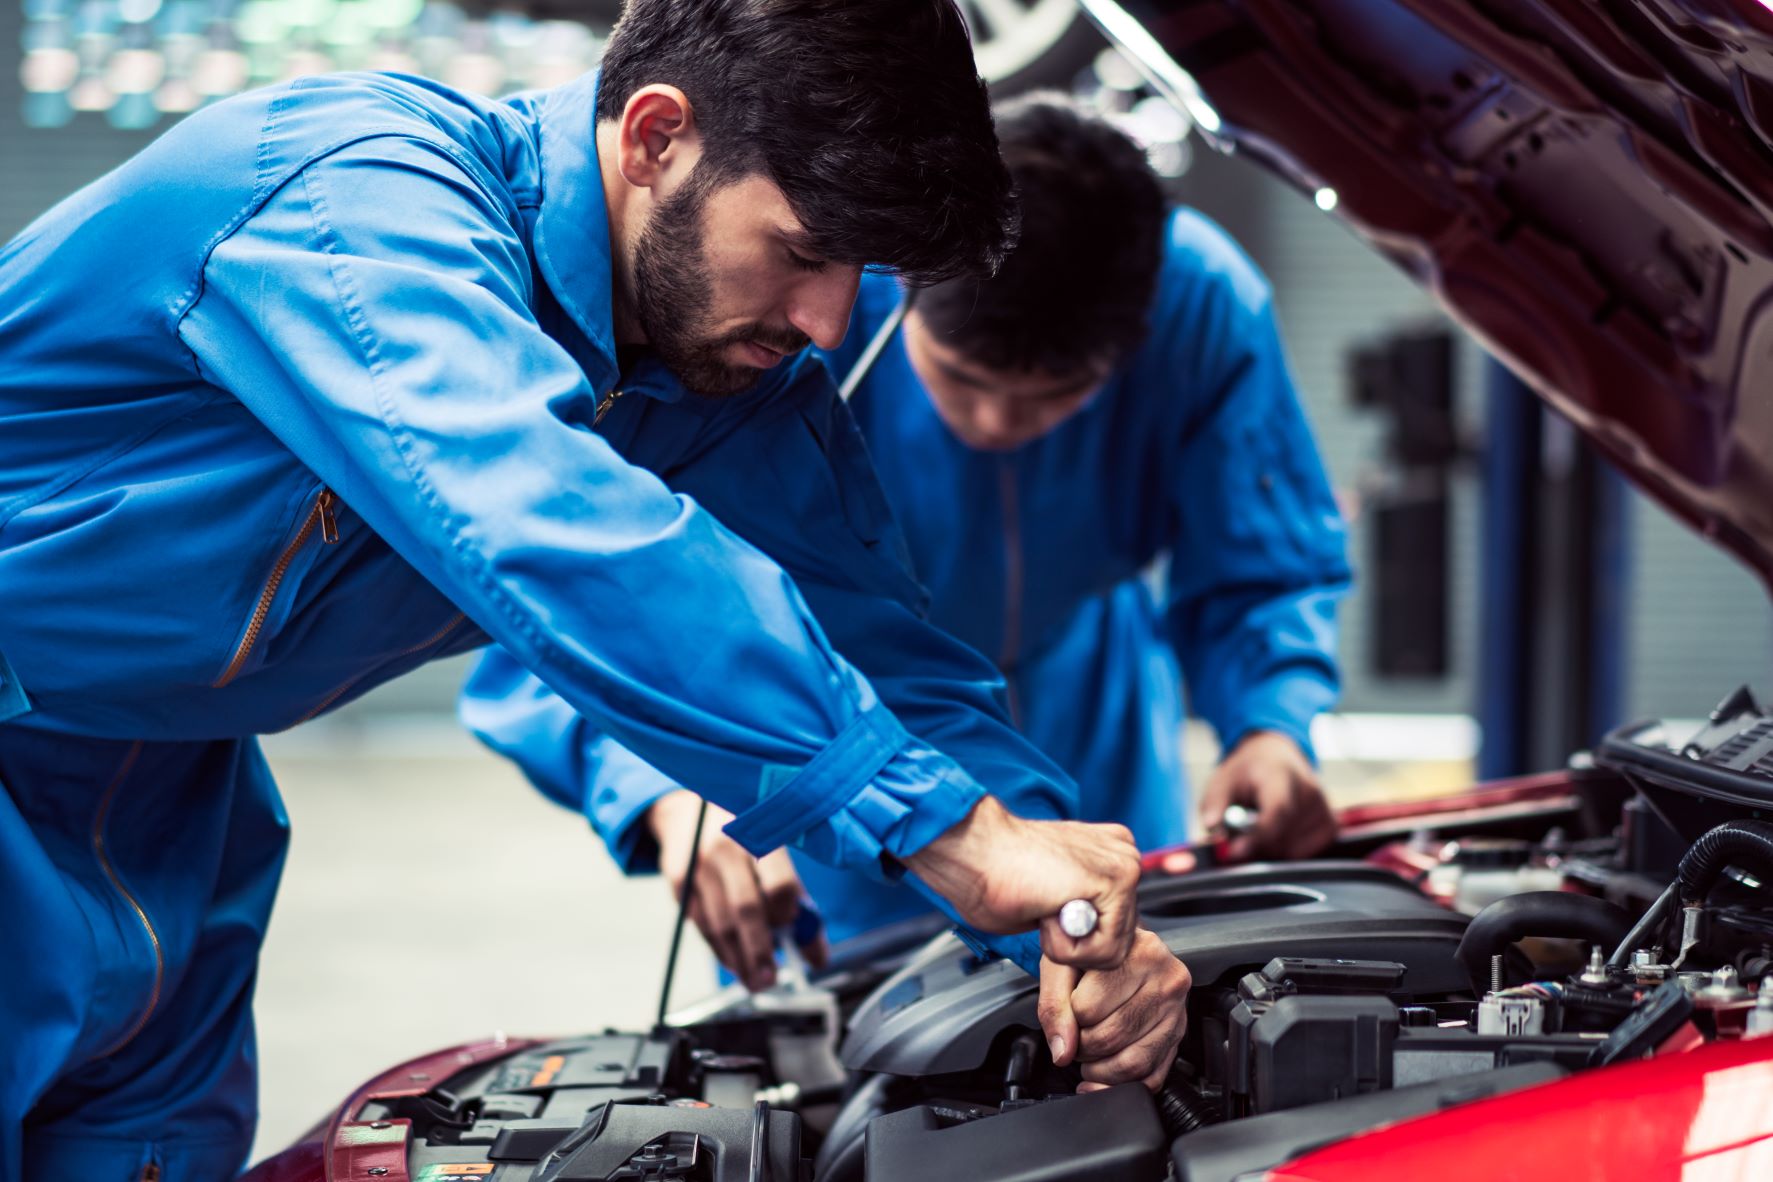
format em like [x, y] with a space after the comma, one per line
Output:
[1513, 596]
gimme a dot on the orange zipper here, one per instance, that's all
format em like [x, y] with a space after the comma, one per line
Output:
[320, 515]
[104, 861]
[1012, 563]
[150, 1173]
[435, 638]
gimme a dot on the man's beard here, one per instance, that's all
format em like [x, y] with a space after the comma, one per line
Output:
[674, 300]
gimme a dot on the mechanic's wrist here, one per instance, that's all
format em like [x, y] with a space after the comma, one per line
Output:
[667, 812]
[1266, 736]
[953, 865]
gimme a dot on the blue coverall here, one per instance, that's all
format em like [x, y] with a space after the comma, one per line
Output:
[316, 389]
[1195, 459]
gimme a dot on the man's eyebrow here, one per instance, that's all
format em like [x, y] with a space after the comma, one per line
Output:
[956, 374]
[799, 239]
[1068, 389]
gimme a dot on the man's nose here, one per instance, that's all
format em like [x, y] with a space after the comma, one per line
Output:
[821, 305]
[993, 418]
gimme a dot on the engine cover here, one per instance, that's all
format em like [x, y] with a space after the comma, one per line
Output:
[942, 1012]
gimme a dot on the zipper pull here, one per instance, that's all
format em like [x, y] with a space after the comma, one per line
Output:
[609, 400]
[151, 1172]
[329, 525]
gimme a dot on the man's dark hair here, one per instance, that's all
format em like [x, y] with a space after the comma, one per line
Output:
[869, 115]
[1077, 288]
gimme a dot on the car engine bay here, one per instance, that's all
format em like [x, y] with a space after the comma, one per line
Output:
[1621, 913]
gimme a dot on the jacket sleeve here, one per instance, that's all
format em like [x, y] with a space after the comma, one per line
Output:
[1257, 560]
[825, 518]
[373, 314]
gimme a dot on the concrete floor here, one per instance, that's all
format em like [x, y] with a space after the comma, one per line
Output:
[432, 897]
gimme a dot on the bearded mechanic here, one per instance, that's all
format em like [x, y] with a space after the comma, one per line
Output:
[324, 384]
[1115, 396]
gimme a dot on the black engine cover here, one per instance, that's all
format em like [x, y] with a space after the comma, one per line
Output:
[1107, 1136]
[943, 1010]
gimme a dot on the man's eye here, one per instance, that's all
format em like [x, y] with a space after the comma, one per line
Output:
[802, 263]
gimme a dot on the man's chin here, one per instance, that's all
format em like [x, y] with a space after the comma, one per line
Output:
[721, 372]
[710, 380]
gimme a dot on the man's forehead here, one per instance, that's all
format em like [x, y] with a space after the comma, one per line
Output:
[756, 192]
[1031, 384]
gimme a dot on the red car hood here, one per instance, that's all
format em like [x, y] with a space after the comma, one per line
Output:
[1586, 186]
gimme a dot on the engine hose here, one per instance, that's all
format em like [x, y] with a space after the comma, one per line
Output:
[1748, 844]
[1596, 1001]
[1536, 913]
[1181, 1111]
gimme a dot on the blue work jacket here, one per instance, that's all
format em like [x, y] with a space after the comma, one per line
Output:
[317, 388]
[1179, 527]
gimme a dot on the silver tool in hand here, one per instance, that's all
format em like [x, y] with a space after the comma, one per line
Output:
[1238, 820]
[1077, 918]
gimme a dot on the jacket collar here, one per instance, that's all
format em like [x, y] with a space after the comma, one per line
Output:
[572, 227]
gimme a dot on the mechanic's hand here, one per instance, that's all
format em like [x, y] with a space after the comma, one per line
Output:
[1120, 1025]
[1269, 773]
[1005, 874]
[738, 898]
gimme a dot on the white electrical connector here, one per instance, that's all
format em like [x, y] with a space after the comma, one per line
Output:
[1511, 1016]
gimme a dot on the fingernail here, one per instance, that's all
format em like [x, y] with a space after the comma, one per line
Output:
[1056, 1044]
[766, 978]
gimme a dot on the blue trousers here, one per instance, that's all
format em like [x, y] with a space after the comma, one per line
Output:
[136, 880]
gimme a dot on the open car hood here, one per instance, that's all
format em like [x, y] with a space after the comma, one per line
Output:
[1585, 185]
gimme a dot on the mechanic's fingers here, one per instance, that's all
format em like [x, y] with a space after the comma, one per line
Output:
[1277, 796]
[1316, 827]
[781, 888]
[709, 915]
[1147, 997]
[1147, 1060]
[1099, 996]
[1057, 983]
[1106, 949]
[1116, 902]
[818, 953]
[756, 943]
[1128, 1024]
[1116, 1033]
[1161, 1072]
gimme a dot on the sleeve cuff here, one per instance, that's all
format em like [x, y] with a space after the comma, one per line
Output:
[873, 790]
[624, 788]
[1286, 705]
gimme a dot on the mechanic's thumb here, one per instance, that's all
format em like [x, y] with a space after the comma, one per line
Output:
[1057, 981]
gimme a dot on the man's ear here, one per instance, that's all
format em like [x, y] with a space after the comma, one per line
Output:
[656, 138]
